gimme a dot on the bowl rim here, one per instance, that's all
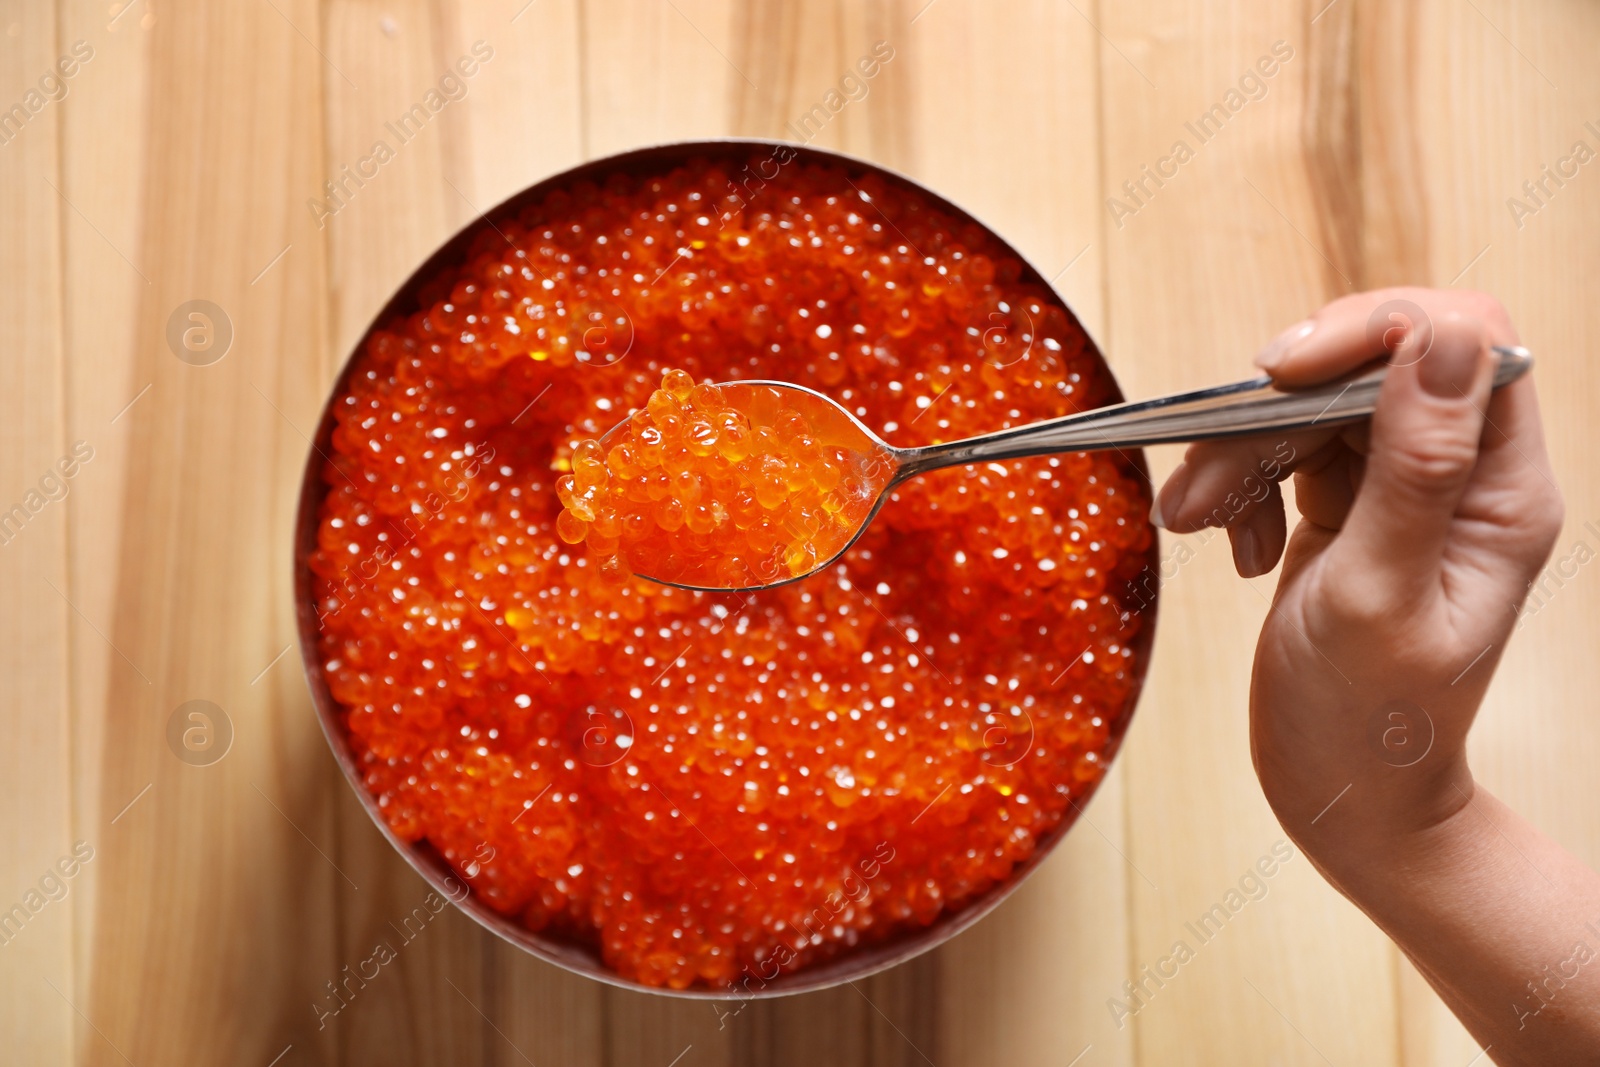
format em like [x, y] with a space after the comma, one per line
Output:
[850, 964]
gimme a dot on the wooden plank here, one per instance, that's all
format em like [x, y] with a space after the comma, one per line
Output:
[647, 1028]
[428, 1005]
[789, 1031]
[380, 221]
[903, 1028]
[102, 142]
[37, 987]
[1202, 269]
[219, 888]
[541, 1014]
[1502, 92]
[524, 116]
[886, 1020]
[656, 72]
[795, 54]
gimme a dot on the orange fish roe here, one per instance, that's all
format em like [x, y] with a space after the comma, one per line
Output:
[709, 787]
[700, 491]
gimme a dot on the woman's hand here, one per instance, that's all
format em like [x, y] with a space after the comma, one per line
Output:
[1419, 536]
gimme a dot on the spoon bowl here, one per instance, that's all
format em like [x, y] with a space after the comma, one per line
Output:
[867, 467]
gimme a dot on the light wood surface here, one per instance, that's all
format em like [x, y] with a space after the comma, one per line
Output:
[221, 899]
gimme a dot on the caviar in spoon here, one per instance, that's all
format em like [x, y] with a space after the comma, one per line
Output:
[752, 484]
[729, 486]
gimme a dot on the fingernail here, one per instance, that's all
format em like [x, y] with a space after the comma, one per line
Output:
[1172, 492]
[1278, 348]
[1446, 369]
[1246, 552]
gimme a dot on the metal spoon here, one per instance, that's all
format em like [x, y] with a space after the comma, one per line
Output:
[873, 467]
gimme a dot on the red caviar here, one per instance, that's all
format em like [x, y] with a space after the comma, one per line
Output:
[715, 787]
[727, 487]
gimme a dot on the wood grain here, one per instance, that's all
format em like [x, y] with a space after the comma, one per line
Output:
[218, 882]
[187, 161]
[37, 982]
[102, 135]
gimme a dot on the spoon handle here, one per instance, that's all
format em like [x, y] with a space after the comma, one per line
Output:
[1236, 410]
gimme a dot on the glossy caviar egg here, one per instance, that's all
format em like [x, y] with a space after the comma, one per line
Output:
[711, 786]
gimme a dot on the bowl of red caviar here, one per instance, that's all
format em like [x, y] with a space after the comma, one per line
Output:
[719, 795]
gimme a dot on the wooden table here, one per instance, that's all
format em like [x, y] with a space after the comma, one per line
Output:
[184, 162]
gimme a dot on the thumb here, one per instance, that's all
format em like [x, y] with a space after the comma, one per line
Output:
[1423, 448]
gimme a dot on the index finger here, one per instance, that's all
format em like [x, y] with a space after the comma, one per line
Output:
[1356, 329]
